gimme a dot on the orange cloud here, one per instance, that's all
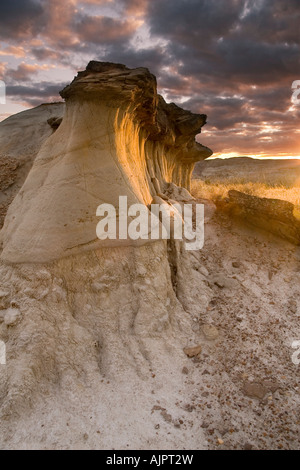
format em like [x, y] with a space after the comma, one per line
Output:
[136, 8]
[60, 18]
[2, 68]
[15, 51]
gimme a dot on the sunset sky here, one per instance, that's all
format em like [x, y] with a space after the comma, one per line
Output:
[234, 60]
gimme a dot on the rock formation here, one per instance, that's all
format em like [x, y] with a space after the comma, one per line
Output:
[117, 137]
[273, 215]
[21, 137]
[75, 313]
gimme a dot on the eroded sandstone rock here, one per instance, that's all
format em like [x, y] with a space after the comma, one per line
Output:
[273, 215]
[117, 137]
[93, 312]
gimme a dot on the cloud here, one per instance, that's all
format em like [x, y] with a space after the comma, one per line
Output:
[21, 19]
[36, 93]
[105, 30]
[137, 8]
[209, 37]
[25, 71]
[250, 61]
[234, 60]
[44, 53]
[275, 21]
[2, 69]
[191, 22]
[14, 51]
[153, 58]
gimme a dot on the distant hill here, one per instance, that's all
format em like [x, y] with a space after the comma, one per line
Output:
[248, 169]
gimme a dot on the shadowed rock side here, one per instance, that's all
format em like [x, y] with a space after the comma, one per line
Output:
[117, 137]
[279, 217]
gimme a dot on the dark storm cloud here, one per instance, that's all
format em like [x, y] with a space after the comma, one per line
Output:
[37, 93]
[104, 30]
[220, 109]
[154, 58]
[43, 53]
[22, 73]
[191, 22]
[257, 106]
[270, 98]
[253, 62]
[208, 39]
[20, 18]
[271, 21]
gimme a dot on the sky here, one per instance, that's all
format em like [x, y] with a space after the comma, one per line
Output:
[234, 60]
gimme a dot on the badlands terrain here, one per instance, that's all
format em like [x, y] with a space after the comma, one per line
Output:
[135, 345]
[231, 170]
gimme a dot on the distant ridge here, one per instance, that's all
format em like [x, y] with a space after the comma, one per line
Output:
[254, 170]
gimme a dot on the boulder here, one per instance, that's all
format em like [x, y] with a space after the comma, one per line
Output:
[273, 215]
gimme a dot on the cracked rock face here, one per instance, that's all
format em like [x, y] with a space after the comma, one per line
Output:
[118, 137]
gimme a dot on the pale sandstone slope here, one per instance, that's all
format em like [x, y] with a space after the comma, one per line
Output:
[21, 137]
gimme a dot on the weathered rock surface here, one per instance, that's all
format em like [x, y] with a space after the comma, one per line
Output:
[88, 329]
[276, 216]
[12, 316]
[118, 137]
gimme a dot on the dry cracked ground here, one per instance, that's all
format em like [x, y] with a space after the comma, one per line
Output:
[239, 389]
[244, 386]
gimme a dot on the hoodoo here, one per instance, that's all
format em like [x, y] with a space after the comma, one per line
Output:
[118, 137]
[91, 330]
